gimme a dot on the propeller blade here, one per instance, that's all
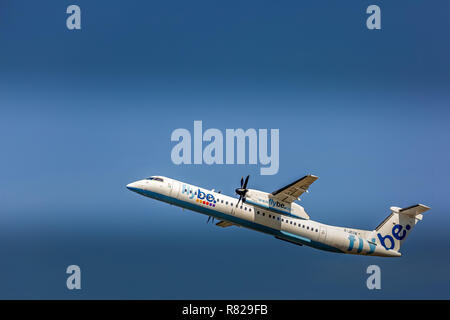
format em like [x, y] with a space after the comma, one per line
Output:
[208, 219]
[242, 182]
[240, 197]
[245, 183]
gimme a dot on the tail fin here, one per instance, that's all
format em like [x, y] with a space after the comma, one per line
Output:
[395, 228]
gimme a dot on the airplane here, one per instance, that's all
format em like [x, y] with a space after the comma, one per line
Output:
[278, 215]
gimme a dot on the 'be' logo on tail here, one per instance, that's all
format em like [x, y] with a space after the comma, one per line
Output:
[398, 232]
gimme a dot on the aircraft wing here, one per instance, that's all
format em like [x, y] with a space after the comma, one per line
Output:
[224, 224]
[292, 191]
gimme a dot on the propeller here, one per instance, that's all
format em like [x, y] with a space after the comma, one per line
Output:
[242, 191]
[209, 218]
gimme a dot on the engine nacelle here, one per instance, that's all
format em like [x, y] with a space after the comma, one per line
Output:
[265, 201]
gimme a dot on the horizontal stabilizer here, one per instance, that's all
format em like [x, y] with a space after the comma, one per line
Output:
[413, 211]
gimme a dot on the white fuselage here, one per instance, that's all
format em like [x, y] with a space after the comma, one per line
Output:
[288, 227]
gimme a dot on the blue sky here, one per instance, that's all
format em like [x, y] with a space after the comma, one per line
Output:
[83, 113]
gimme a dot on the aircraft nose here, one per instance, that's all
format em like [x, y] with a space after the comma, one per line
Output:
[132, 186]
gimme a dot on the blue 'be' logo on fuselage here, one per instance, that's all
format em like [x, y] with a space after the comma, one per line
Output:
[202, 197]
[398, 232]
[205, 196]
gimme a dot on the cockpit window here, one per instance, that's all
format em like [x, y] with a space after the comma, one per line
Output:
[155, 178]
